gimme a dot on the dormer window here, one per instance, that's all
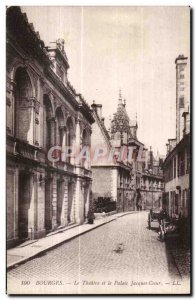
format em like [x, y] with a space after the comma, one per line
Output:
[59, 58]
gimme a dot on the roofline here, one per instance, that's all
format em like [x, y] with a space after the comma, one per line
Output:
[174, 149]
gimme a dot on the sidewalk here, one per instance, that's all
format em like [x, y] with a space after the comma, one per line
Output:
[33, 248]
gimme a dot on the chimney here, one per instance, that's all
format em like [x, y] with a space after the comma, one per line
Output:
[167, 145]
[151, 158]
[98, 109]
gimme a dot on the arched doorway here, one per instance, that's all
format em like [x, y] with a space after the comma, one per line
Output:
[24, 202]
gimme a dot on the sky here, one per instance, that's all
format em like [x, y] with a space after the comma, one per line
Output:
[128, 48]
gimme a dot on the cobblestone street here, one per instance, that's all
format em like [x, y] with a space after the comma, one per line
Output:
[121, 251]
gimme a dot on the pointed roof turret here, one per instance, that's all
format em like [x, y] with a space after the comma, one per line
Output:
[120, 122]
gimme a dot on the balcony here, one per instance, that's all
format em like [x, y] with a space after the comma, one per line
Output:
[81, 171]
[22, 149]
[70, 167]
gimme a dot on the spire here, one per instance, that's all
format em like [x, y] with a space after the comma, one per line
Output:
[120, 98]
[136, 119]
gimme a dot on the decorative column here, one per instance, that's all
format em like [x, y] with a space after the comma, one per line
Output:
[79, 200]
[64, 221]
[52, 131]
[73, 145]
[32, 211]
[10, 106]
[88, 198]
[41, 84]
[77, 139]
[40, 205]
[114, 174]
[61, 201]
[36, 123]
[54, 202]
[63, 142]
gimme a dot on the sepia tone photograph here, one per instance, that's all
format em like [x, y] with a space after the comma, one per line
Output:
[98, 150]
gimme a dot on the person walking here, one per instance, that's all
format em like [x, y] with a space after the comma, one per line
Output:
[138, 200]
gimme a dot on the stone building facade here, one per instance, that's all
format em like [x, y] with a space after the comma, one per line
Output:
[44, 192]
[152, 183]
[177, 163]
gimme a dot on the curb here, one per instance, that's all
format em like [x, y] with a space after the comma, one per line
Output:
[23, 260]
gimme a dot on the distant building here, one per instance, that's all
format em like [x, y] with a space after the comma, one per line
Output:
[177, 163]
[43, 110]
[152, 185]
[122, 178]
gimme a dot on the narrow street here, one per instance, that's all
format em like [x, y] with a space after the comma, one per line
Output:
[122, 252]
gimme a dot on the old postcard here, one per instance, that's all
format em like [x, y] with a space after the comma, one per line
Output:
[98, 150]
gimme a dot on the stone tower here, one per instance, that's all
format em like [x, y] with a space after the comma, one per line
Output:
[182, 97]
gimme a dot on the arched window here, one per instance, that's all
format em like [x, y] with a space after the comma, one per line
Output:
[69, 136]
[86, 144]
[23, 117]
[60, 127]
[47, 118]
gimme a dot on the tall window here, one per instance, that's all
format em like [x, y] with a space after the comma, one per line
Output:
[181, 102]
[23, 110]
[170, 169]
[60, 126]
[60, 130]
[85, 143]
[69, 137]
[174, 167]
[183, 201]
[176, 203]
[47, 115]
[188, 162]
[181, 163]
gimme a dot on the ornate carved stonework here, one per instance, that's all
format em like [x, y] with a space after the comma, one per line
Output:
[8, 102]
[51, 119]
[26, 102]
[36, 106]
[42, 81]
[62, 127]
[35, 82]
[37, 121]
[8, 130]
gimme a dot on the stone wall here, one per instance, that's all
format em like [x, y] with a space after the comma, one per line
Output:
[102, 182]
